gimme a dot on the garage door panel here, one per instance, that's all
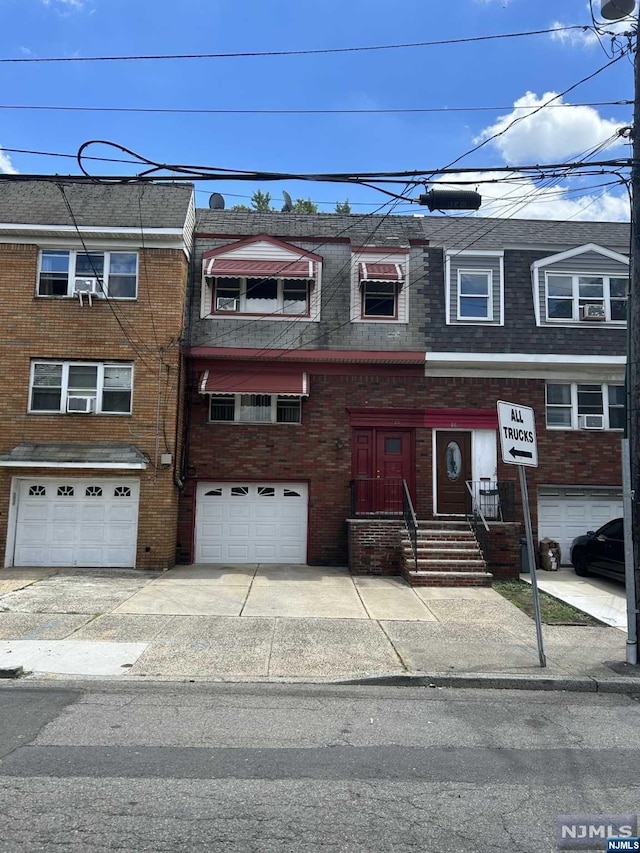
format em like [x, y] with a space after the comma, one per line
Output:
[251, 522]
[86, 522]
[570, 512]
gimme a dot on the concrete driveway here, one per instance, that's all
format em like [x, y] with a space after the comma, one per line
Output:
[272, 622]
[599, 597]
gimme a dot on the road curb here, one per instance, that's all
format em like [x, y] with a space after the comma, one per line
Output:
[570, 684]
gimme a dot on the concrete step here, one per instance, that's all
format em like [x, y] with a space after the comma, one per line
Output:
[452, 579]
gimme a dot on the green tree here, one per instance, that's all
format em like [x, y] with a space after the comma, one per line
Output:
[261, 202]
[343, 207]
[242, 207]
[304, 205]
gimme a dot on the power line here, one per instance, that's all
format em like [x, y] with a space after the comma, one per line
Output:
[308, 52]
[301, 111]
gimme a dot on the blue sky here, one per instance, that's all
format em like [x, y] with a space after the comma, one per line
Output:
[485, 74]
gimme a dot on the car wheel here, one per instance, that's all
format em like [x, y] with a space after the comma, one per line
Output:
[579, 561]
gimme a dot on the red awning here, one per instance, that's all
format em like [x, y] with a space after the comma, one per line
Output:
[254, 380]
[381, 272]
[229, 267]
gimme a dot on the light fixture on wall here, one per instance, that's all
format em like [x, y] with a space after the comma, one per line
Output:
[340, 444]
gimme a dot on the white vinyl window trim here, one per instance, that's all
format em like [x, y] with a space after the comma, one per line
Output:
[114, 272]
[110, 394]
[609, 295]
[571, 409]
[236, 290]
[465, 298]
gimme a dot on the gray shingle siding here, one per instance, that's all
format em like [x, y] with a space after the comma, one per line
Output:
[519, 333]
[109, 205]
[334, 330]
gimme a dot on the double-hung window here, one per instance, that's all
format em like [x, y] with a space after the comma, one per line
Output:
[570, 297]
[285, 296]
[574, 405]
[475, 295]
[255, 408]
[65, 273]
[81, 387]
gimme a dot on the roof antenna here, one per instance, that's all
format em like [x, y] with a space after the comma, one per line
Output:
[287, 207]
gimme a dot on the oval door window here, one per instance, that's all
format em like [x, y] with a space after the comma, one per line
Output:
[453, 460]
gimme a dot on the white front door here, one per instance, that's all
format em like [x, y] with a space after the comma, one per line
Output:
[81, 522]
[565, 512]
[251, 523]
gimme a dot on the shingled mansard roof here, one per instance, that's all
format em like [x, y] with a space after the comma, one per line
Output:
[481, 233]
[37, 202]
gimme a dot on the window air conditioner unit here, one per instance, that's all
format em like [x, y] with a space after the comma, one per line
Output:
[86, 285]
[225, 303]
[595, 311]
[591, 421]
[80, 405]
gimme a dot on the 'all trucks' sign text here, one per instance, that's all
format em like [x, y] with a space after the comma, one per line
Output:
[517, 434]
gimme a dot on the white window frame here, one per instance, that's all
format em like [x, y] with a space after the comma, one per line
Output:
[488, 317]
[576, 298]
[238, 409]
[242, 297]
[64, 390]
[103, 282]
[573, 406]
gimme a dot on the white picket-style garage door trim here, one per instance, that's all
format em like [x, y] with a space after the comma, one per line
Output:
[245, 522]
[84, 522]
[565, 512]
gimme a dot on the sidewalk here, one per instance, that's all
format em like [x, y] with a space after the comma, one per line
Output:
[282, 622]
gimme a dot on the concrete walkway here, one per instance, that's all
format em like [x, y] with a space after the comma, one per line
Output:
[263, 622]
[601, 598]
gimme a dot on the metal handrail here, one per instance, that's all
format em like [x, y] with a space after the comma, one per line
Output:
[410, 521]
[475, 506]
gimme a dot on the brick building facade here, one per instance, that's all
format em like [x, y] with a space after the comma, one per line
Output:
[92, 381]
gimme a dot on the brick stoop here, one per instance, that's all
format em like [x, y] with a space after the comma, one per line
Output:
[448, 555]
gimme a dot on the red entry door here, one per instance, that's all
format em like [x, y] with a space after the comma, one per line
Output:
[382, 459]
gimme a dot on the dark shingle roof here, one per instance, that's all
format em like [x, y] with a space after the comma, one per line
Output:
[484, 233]
[449, 231]
[111, 205]
[358, 229]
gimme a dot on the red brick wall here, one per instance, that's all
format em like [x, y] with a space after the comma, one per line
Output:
[374, 547]
[33, 327]
[318, 451]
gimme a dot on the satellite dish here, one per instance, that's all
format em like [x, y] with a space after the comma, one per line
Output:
[216, 201]
[287, 207]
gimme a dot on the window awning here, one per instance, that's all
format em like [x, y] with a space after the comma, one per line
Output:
[255, 380]
[232, 267]
[382, 272]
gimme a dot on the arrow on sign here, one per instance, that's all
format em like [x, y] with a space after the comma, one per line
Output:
[524, 453]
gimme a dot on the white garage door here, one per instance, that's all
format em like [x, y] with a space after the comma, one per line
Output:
[566, 512]
[62, 522]
[251, 523]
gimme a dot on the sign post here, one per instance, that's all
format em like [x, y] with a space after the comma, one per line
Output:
[519, 447]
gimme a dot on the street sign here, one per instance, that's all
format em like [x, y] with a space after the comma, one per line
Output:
[517, 434]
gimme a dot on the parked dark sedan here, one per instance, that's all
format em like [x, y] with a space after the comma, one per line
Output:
[600, 552]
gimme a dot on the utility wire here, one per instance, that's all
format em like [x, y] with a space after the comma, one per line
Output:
[301, 111]
[309, 52]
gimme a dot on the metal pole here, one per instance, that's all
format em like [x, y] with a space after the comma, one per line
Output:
[629, 570]
[532, 561]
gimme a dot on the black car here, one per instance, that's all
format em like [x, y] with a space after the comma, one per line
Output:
[600, 552]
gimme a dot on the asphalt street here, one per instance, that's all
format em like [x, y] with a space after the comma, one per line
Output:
[98, 766]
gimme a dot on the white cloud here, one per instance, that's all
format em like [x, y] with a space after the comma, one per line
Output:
[551, 134]
[6, 166]
[64, 5]
[587, 38]
[523, 199]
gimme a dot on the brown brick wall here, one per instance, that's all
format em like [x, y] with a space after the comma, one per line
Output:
[319, 452]
[138, 332]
